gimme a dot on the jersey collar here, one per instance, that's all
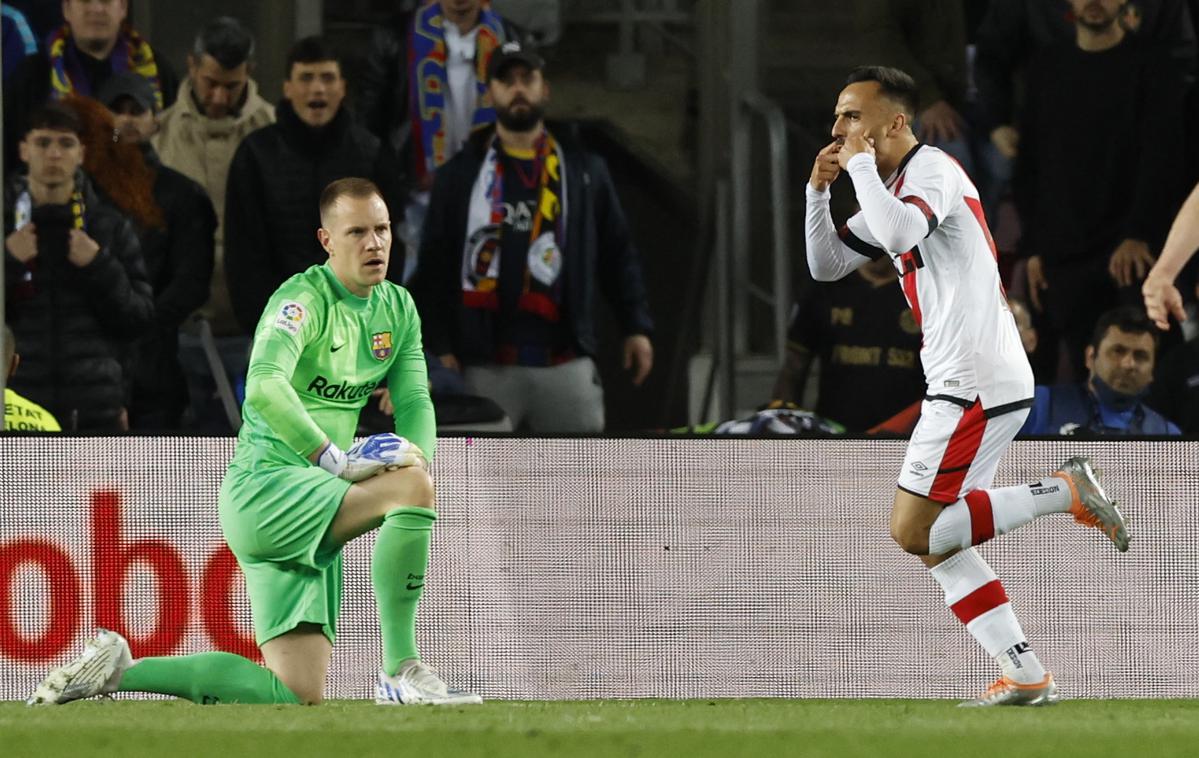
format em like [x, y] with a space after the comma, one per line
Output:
[344, 296]
[904, 163]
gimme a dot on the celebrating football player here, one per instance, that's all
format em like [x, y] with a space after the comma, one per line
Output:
[920, 209]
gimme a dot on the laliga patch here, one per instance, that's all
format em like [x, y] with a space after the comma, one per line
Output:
[381, 345]
[291, 317]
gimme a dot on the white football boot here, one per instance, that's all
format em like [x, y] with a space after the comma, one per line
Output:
[417, 684]
[1009, 692]
[97, 671]
[1090, 505]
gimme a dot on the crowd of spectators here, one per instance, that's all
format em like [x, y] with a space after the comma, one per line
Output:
[148, 219]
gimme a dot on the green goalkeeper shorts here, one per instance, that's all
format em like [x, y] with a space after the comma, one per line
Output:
[275, 520]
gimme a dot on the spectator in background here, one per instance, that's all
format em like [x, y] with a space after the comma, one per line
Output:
[20, 415]
[177, 252]
[1014, 31]
[1120, 361]
[76, 287]
[424, 91]
[94, 43]
[868, 344]
[522, 225]
[1097, 172]
[218, 105]
[18, 42]
[279, 171]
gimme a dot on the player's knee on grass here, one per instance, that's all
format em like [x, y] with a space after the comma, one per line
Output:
[300, 660]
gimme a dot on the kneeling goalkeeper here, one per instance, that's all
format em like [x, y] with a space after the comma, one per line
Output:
[294, 494]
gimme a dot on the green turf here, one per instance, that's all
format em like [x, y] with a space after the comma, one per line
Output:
[692, 729]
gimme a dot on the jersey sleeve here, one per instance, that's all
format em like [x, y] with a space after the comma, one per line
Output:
[831, 252]
[408, 381]
[931, 188]
[289, 323]
[934, 187]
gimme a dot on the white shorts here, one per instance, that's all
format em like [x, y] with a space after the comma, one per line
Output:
[956, 447]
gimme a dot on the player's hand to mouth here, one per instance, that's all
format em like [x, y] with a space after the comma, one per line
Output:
[854, 144]
[826, 169]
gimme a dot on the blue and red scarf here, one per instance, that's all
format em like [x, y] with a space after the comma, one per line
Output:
[427, 69]
[132, 53]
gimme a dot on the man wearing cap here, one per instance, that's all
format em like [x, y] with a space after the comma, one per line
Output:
[424, 91]
[178, 250]
[523, 224]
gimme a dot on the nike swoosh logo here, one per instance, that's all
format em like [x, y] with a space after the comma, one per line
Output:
[335, 348]
[412, 586]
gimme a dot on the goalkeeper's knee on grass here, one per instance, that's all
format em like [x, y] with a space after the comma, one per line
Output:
[207, 679]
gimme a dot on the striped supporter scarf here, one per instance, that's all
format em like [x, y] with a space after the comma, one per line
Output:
[541, 293]
[132, 53]
[427, 67]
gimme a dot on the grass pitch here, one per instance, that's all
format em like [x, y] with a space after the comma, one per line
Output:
[649, 728]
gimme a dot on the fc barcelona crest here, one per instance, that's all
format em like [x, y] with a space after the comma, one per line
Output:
[381, 345]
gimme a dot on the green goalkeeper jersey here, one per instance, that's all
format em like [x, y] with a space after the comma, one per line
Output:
[319, 352]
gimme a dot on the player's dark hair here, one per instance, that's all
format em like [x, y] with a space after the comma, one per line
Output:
[227, 41]
[350, 186]
[314, 49]
[894, 84]
[1129, 319]
[55, 116]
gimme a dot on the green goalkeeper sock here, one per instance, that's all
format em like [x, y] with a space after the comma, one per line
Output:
[398, 574]
[207, 678]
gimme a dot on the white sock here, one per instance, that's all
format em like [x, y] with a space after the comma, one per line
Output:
[983, 514]
[974, 594]
[1019, 663]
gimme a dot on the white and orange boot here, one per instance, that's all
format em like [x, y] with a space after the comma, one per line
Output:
[1090, 505]
[1007, 691]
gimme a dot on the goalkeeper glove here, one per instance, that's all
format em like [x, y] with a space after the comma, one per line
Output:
[332, 459]
[381, 452]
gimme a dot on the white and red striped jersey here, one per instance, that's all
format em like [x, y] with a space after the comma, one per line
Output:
[928, 218]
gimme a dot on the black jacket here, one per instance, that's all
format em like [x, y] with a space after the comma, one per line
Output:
[272, 201]
[598, 250]
[178, 260]
[1013, 31]
[29, 87]
[382, 99]
[75, 327]
[1080, 191]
